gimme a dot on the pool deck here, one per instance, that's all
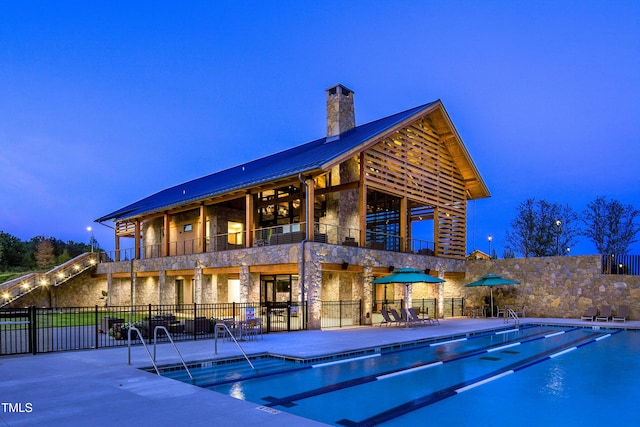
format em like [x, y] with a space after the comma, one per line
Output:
[98, 387]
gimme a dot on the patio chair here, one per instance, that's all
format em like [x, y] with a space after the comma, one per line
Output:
[252, 328]
[386, 319]
[590, 314]
[605, 313]
[621, 314]
[410, 318]
[397, 318]
[521, 311]
[413, 315]
[502, 311]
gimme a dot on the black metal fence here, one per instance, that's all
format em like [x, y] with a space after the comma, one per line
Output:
[621, 264]
[42, 330]
[338, 314]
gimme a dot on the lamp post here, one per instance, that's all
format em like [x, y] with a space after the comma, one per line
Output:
[490, 238]
[90, 230]
[558, 224]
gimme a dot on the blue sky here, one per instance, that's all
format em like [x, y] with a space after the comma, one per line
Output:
[103, 103]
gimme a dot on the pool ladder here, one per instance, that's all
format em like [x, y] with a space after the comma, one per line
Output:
[511, 314]
[155, 340]
[225, 328]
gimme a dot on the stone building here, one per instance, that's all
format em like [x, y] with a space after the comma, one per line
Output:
[315, 222]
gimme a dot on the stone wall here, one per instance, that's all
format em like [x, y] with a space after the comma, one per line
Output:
[559, 287]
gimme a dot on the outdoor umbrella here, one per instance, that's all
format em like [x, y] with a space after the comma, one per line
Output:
[492, 280]
[407, 276]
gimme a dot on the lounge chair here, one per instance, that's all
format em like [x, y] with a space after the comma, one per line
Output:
[412, 317]
[397, 318]
[426, 320]
[590, 314]
[605, 313]
[386, 319]
[621, 314]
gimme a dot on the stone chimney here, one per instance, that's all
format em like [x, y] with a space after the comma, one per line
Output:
[340, 112]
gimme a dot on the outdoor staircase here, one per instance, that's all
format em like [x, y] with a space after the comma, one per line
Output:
[15, 289]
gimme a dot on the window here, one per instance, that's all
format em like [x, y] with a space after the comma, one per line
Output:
[187, 227]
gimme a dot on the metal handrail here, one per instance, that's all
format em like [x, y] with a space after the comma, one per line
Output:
[133, 328]
[155, 341]
[225, 327]
[511, 313]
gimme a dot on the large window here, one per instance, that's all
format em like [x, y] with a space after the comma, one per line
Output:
[383, 221]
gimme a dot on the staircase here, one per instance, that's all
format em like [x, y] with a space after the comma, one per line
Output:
[14, 289]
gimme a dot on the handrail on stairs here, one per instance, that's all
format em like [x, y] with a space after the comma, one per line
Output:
[511, 314]
[144, 344]
[224, 327]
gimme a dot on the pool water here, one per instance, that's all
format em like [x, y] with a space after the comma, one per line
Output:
[534, 375]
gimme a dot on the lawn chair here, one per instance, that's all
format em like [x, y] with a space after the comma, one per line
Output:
[590, 314]
[621, 314]
[386, 319]
[605, 313]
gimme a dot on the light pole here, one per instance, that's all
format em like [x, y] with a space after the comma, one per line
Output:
[90, 230]
[490, 238]
[558, 224]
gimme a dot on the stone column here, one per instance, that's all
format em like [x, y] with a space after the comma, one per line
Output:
[367, 293]
[197, 283]
[245, 283]
[162, 280]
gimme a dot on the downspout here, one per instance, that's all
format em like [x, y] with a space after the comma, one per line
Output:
[302, 244]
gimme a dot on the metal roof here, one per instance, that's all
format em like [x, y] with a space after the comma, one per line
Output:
[304, 158]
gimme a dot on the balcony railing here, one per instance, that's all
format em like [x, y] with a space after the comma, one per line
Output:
[279, 235]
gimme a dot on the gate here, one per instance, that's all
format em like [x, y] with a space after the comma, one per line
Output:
[284, 316]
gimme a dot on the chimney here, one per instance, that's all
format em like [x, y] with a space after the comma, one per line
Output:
[340, 112]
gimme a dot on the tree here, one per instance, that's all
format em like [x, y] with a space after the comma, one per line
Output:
[611, 226]
[44, 255]
[541, 228]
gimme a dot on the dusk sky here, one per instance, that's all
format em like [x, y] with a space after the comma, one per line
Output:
[104, 103]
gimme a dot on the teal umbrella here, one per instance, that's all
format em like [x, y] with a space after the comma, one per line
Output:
[407, 276]
[492, 280]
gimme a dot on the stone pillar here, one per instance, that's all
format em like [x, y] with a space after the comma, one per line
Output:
[313, 285]
[367, 293]
[197, 283]
[162, 289]
[245, 283]
[109, 287]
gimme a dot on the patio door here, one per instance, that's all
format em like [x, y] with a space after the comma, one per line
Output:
[275, 297]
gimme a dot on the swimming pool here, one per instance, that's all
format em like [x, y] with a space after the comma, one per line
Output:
[532, 375]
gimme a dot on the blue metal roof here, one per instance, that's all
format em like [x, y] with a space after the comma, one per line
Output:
[301, 159]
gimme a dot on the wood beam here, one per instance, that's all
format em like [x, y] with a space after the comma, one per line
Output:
[221, 270]
[249, 219]
[203, 228]
[329, 266]
[310, 208]
[288, 268]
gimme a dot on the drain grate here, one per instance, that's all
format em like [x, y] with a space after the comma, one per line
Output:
[493, 359]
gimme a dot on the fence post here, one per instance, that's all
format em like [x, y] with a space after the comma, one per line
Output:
[195, 315]
[33, 336]
[96, 328]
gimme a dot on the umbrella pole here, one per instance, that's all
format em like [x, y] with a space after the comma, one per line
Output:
[491, 289]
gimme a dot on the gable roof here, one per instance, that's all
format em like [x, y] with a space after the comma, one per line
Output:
[317, 155]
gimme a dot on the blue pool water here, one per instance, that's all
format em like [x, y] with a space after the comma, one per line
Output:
[534, 375]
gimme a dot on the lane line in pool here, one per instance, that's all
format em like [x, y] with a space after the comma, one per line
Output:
[487, 380]
[408, 371]
[439, 395]
[435, 344]
[491, 350]
[563, 352]
[287, 401]
[338, 362]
